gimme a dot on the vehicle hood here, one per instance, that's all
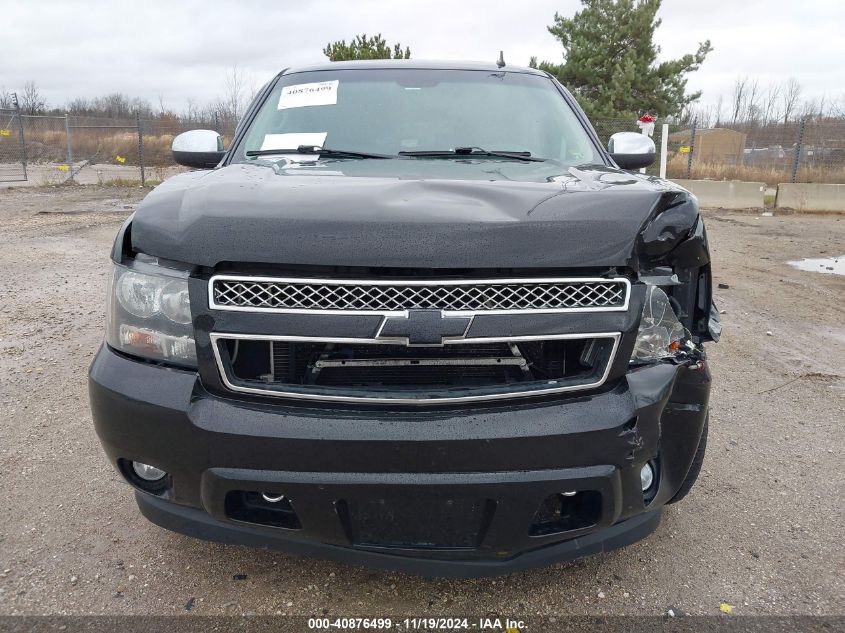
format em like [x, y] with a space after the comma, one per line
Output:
[408, 213]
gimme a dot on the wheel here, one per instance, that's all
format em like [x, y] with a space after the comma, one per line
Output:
[695, 467]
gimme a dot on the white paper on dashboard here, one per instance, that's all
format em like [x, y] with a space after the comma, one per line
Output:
[302, 95]
[292, 140]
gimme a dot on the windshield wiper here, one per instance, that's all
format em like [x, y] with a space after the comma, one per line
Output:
[472, 151]
[317, 151]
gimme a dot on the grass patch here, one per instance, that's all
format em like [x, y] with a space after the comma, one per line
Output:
[676, 167]
[127, 182]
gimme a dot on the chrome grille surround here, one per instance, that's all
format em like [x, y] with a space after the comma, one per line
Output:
[544, 388]
[481, 296]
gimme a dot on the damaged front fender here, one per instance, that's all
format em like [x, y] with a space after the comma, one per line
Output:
[674, 219]
[672, 246]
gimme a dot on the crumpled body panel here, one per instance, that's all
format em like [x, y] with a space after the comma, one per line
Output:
[381, 213]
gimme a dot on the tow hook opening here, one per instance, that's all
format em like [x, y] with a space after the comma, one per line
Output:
[272, 509]
[270, 497]
[566, 511]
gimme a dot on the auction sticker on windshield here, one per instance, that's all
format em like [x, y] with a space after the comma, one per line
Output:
[292, 140]
[315, 94]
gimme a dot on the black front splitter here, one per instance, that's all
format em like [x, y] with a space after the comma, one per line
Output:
[197, 523]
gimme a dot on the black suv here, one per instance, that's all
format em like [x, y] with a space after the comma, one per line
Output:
[415, 317]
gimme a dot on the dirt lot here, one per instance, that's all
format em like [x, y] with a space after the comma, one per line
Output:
[761, 531]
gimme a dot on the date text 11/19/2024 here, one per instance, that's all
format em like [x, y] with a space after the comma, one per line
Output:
[503, 625]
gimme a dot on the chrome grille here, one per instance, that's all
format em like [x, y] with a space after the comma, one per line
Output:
[367, 371]
[501, 295]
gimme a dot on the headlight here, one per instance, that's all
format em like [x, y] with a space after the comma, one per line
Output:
[138, 294]
[175, 304]
[149, 314]
[660, 332]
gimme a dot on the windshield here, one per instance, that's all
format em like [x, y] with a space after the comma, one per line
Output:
[393, 111]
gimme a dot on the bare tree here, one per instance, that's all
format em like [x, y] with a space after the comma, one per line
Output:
[191, 109]
[822, 107]
[704, 115]
[837, 108]
[234, 93]
[31, 100]
[114, 105]
[6, 102]
[719, 106]
[790, 94]
[771, 98]
[739, 99]
[813, 108]
[79, 105]
[253, 90]
[751, 109]
[694, 112]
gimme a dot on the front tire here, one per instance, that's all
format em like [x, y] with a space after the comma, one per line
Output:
[695, 467]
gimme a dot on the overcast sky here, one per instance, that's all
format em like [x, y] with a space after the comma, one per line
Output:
[181, 49]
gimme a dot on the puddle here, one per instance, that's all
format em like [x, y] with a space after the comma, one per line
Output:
[835, 265]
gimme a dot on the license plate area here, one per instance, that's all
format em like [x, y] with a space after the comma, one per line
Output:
[418, 520]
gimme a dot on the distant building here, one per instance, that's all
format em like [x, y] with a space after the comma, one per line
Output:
[773, 155]
[712, 145]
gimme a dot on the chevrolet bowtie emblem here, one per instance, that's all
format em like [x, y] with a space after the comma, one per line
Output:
[424, 327]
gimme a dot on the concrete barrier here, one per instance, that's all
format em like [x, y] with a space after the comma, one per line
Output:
[810, 197]
[40, 174]
[726, 194]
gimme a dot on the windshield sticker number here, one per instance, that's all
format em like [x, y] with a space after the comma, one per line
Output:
[302, 95]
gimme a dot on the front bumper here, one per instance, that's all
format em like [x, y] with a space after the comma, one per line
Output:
[464, 485]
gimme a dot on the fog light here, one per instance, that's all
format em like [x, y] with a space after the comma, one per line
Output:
[147, 472]
[647, 476]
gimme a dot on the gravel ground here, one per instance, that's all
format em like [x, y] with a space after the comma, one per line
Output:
[762, 530]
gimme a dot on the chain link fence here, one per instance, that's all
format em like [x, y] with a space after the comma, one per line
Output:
[54, 149]
[12, 162]
[807, 150]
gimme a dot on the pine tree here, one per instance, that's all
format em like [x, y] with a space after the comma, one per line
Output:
[610, 60]
[363, 47]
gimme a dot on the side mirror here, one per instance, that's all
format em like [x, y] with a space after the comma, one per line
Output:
[631, 150]
[198, 148]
